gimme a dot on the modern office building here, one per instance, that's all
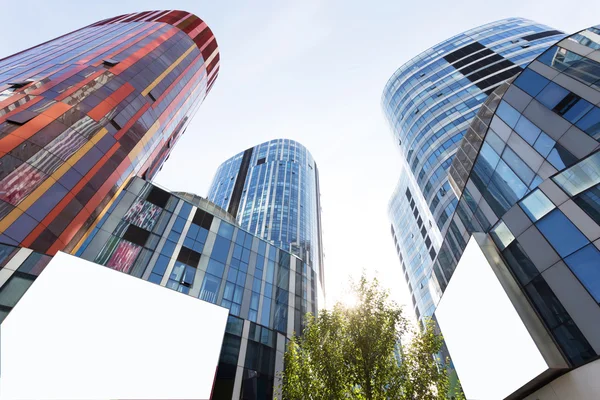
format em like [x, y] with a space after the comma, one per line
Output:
[82, 113]
[522, 269]
[429, 103]
[188, 244]
[273, 191]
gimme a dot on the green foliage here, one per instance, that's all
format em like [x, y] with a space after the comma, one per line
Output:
[422, 376]
[348, 353]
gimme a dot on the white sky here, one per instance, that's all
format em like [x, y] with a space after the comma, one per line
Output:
[312, 71]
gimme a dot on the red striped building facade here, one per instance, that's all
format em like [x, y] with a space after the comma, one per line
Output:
[83, 113]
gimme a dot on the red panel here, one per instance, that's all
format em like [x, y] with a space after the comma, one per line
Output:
[72, 228]
[24, 132]
[78, 221]
[111, 102]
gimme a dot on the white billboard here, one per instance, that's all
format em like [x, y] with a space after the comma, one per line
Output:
[84, 331]
[496, 341]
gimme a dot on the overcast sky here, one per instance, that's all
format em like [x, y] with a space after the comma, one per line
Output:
[312, 71]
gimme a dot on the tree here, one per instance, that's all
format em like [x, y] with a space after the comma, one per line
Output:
[421, 375]
[348, 353]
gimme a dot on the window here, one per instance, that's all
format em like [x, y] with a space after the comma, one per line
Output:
[215, 268]
[501, 235]
[536, 205]
[14, 289]
[561, 233]
[518, 165]
[136, 235]
[210, 288]
[508, 114]
[507, 181]
[226, 230]
[182, 277]
[527, 130]
[202, 219]
[587, 38]
[544, 144]
[220, 249]
[590, 123]
[531, 82]
[188, 256]
[158, 197]
[585, 264]
[581, 176]
[560, 157]
[22, 117]
[110, 62]
[20, 84]
[572, 108]
[520, 264]
[581, 68]
[552, 95]
[260, 161]
[229, 350]
[553, 58]
[549, 307]
[234, 325]
[589, 201]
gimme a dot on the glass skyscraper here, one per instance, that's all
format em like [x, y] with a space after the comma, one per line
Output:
[527, 176]
[429, 103]
[83, 113]
[273, 191]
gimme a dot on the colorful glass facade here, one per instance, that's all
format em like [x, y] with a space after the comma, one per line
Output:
[528, 174]
[273, 190]
[188, 244]
[429, 103]
[82, 113]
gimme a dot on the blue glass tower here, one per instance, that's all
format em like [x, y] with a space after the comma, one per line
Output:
[429, 103]
[527, 176]
[273, 191]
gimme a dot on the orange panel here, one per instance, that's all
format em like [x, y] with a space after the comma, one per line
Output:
[57, 109]
[24, 132]
[21, 108]
[98, 112]
[12, 99]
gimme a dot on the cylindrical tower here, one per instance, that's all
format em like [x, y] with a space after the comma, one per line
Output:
[273, 190]
[82, 113]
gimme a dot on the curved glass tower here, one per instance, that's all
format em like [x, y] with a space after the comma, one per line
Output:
[273, 191]
[83, 113]
[527, 175]
[429, 103]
